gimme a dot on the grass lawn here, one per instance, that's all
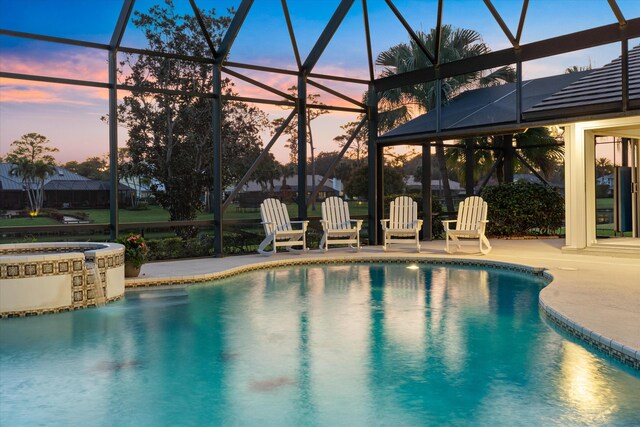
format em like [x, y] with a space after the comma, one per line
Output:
[28, 222]
[157, 214]
[604, 203]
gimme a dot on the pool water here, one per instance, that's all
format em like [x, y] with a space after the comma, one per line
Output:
[370, 344]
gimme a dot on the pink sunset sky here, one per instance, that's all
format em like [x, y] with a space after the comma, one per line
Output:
[70, 116]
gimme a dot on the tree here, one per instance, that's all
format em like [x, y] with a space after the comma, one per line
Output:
[357, 186]
[359, 147]
[397, 105]
[603, 167]
[93, 168]
[267, 172]
[577, 68]
[171, 135]
[540, 149]
[33, 163]
[292, 130]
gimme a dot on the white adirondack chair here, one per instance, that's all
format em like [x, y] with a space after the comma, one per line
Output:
[338, 226]
[471, 224]
[278, 230]
[403, 222]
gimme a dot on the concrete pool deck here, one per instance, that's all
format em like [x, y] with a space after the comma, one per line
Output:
[594, 297]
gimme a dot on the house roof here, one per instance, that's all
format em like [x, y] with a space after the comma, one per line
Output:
[486, 106]
[548, 98]
[62, 179]
[82, 185]
[600, 91]
[292, 183]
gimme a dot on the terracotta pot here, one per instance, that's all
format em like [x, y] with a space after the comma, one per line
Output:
[130, 270]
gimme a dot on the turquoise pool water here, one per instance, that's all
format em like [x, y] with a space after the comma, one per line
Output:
[372, 344]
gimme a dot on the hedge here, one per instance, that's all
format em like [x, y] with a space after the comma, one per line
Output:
[523, 208]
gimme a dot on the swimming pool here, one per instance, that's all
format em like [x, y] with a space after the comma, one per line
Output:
[355, 344]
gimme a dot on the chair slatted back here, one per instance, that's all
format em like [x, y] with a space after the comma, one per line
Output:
[336, 212]
[470, 212]
[403, 213]
[275, 212]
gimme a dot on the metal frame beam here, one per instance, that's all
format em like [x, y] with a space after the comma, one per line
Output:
[302, 147]
[438, 39]
[114, 182]
[336, 93]
[549, 47]
[374, 174]
[258, 160]
[523, 14]
[216, 126]
[354, 135]
[367, 35]
[232, 31]
[501, 23]
[203, 28]
[412, 33]
[616, 11]
[292, 35]
[327, 35]
[427, 214]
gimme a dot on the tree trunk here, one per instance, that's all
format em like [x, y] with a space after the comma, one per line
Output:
[444, 176]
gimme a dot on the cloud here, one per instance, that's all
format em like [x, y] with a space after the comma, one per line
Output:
[59, 64]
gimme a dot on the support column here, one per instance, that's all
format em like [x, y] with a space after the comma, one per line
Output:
[508, 157]
[426, 192]
[216, 122]
[302, 146]
[113, 146]
[372, 162]
[380, 201]
[469, 166]
[575, 188]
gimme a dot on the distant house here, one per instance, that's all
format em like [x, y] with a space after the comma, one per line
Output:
[252, 194]
[437, 188]
[63, 189]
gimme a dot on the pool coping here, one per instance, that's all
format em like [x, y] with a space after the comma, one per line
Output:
[596, 340]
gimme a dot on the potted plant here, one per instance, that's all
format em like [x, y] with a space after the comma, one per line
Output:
[135, 254]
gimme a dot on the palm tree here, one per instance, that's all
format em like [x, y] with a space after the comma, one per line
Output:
[33, 175]
[33, 163]
[398, 105]
[540, 149]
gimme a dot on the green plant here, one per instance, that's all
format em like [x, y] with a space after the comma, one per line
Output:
[523, 208]
[135, 249]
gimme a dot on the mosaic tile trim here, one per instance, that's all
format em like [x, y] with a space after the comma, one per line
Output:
[55, 267]
[614, 349]
[29, 313]
[186, 280]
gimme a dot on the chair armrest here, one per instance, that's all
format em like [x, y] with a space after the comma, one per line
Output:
[358, 223]
[384, 223]
[304, 224]
[447, 222]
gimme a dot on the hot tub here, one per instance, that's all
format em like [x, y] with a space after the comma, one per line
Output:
[41, 278]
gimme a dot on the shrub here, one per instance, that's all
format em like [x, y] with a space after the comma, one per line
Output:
[523, 208]
[135, 249]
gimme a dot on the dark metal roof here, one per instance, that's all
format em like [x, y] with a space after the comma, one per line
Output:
[569, 95]
[598, 92]
[486, 106]
[10, 182]
[82, 185]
